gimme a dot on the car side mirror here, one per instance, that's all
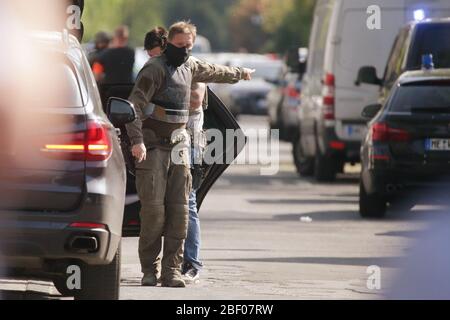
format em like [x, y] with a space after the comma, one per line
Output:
[368, 75]
[120, 112]
[371, 111]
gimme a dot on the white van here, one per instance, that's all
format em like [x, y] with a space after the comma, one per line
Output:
[344, 38]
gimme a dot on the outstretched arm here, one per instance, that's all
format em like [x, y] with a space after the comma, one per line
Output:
[213, 73]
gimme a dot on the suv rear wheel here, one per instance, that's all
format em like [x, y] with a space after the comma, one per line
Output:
[97, 282]
[371, 205]
[101, 282]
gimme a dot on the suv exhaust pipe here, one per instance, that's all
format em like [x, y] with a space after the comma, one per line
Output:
[83, 244]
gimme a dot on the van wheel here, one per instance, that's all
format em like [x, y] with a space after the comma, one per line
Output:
[371, 205]
[304, 165]
[101, 282]
[324, 168]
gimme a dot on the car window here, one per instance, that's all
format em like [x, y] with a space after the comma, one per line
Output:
[421, 96]
[434, 39]
[395, 62]
[60, 89]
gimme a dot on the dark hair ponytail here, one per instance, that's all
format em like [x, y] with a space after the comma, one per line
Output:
[156, 38]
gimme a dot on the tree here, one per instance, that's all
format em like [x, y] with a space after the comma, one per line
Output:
[106, 15]
[266, 25]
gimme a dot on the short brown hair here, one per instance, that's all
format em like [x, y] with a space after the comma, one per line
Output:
[185, 27]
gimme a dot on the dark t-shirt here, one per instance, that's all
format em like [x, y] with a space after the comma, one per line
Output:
[118, 64]
[93, 56]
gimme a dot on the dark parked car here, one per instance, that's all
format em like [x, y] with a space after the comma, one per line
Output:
[62, 172]
[408, 142]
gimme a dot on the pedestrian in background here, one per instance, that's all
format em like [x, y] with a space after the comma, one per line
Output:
[101, 43]
[115, 65]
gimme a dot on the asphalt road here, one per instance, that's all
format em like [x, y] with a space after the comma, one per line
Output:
[276, 237]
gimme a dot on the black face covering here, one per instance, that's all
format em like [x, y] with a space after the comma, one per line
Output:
[176, 56]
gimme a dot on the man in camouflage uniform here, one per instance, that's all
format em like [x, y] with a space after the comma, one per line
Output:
[162, 99]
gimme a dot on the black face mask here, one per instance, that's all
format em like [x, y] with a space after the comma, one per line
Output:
[176, 56]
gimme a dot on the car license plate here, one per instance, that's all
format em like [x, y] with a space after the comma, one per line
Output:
[354, 131]
[437, 144]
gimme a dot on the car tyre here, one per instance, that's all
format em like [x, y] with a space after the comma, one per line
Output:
[324, 168]
[101, 282]
[304, 165]
[371, 205]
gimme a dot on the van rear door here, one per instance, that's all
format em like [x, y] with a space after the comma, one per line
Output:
[355, 46]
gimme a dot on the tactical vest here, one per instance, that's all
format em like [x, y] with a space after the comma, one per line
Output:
[171, 104]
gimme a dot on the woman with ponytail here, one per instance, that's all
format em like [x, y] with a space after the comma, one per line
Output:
[155, 41]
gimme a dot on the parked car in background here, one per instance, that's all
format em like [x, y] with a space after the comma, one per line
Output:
[250, 97]
[284, 101]
[140, 59]
[62, 181]
[429, 37]
[408, 142]
[202, 45]
[331, 126]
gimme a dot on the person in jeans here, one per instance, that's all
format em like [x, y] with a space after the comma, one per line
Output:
[192, 264]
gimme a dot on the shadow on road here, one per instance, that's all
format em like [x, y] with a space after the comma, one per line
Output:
[389, 262]
[301, 201]
[321, 216]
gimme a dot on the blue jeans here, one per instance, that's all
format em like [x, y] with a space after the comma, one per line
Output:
[193, 241]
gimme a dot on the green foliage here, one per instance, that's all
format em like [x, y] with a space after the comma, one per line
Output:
[106, 15]
[255, 25]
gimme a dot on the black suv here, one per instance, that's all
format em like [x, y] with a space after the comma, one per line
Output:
[62, 172]
[408, 143]
[415, 40]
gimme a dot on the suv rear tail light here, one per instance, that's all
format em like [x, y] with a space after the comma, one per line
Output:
[87, 225]
[328, 94]
[381, 132]
[94, 144]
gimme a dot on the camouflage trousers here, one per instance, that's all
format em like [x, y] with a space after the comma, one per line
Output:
[163, 187]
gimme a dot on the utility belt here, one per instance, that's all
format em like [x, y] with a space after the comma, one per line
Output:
[166, 114]
[179, 137]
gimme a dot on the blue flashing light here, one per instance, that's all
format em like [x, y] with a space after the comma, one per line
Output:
[427, 62]
[419, 15]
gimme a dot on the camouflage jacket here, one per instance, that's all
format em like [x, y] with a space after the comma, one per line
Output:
[151, 80]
